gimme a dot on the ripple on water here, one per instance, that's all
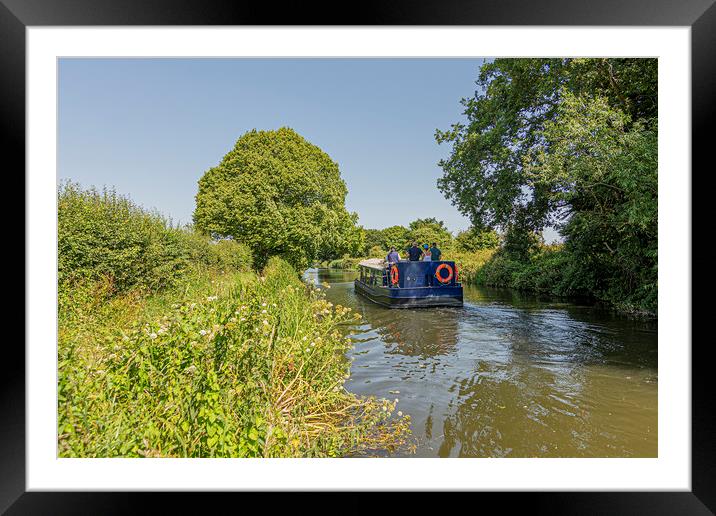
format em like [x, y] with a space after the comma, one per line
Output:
[507, 375]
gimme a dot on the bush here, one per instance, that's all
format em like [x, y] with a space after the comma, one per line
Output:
[229, 255]
[498, 271]
[469, 264]
[105, 236]
[378, 252]
[346, 263]
[544, 274]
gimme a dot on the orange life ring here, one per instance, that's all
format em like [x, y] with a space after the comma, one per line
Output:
[449, 276]
[394, 276]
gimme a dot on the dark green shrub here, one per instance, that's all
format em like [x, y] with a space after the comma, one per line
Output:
[498, 271]
[101, 234]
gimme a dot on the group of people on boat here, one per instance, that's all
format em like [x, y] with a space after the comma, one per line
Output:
[425, 253]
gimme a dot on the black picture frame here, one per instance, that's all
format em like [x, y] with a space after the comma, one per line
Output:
[700, 15]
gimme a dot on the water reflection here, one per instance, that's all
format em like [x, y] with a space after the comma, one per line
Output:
[509, 375]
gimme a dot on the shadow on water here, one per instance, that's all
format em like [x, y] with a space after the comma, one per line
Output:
[508, 375]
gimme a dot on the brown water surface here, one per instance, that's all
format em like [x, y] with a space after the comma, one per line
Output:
[508, 375]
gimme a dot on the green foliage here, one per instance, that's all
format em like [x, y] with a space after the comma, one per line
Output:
[394, 236]
[383, 239]
[103, 235]
[469, 264]
[423, 231]
[485, 176]
[280, 195]
[377, 252]
[571, 143]
[498, 271]
[355, 239]
[373, 238]
[544, 274]
[229, 255]
[438, 225]
[429, 230]
[610, 165]
[474, 239]
[235, 366]
[345, 263]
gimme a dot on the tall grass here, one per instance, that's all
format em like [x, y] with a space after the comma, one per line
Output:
[244, 366]
[213, 361]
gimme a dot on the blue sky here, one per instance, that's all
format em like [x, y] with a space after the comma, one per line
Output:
[152, 127]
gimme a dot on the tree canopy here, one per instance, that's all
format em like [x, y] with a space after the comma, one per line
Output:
[569, 143]
[280, 195]
[423, 231]
[486, 175]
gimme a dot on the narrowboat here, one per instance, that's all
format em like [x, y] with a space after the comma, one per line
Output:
[407, 284]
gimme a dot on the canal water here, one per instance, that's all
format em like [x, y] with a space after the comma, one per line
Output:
[507, 375]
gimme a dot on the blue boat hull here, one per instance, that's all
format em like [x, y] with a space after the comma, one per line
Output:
[411, 297]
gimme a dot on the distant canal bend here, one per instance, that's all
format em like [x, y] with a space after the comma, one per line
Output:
[507, 376]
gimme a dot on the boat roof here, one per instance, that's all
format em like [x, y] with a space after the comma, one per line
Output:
[373, 263]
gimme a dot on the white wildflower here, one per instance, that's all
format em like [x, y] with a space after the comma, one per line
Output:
[202, 332]
[153, 336]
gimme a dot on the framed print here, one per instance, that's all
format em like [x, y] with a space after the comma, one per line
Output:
[421, 249]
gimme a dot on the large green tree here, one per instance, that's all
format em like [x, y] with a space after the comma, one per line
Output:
[570, 143]
[282, 196]
[485, 175]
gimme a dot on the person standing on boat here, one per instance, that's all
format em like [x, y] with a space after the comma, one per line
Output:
[426, 258]
[435, 253]
[414, 253]
[393, 256]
